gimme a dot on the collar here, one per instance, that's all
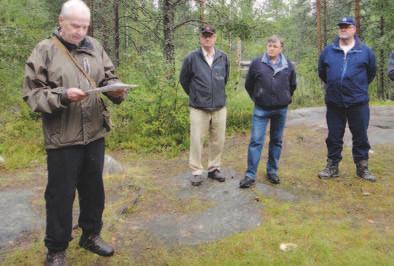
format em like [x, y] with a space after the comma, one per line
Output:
[357, 43]
[85, 44]
[281, 65]
[205, 53]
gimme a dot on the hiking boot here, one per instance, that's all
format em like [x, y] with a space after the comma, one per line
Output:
[96, 244]
[247, 182]
[363, 172]
[56, 259]
[216, 175]
[330, 171]
[273, 178]
[196, 180]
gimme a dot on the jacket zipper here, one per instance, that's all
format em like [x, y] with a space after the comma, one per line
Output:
[344, 67]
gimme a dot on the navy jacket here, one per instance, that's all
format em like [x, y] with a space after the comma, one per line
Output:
[391, 66]
[205, 85]
[267, 88]
[347, 77]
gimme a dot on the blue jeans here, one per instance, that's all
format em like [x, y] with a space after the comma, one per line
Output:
[261, 117]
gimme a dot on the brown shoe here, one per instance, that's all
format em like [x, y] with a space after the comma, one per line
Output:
[216, 175]
[56, 259]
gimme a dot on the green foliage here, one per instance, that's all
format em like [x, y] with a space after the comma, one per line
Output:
[23, 24]
[155, 116]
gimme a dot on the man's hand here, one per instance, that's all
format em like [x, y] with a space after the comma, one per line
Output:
[117, 93]
[75, 94]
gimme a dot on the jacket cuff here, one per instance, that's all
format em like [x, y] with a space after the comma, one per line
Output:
[64, 99]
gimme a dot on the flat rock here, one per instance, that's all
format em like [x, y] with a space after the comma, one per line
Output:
[17, 216]
[234, 210]
[111, 166]
[381, 125]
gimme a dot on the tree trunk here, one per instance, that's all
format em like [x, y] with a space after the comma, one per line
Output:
[89, 3]
[116, 33]
[168, 28]
[325, 15]
[381, 63]
[202, 10]
[238, 57]
[357, 16]
[318, 26]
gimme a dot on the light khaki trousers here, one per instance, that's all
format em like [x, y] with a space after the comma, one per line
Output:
[201, 123]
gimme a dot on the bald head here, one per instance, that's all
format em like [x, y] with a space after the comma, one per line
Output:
[72, 6]
[74, 21]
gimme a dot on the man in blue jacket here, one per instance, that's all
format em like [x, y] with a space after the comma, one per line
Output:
[347, 66]
[270, 83]
[203, 76]
[391, 66]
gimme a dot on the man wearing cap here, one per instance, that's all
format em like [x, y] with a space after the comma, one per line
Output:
[347, 66]
[391, 66]
[203, 76]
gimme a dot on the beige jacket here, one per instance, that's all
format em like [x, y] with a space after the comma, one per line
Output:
[49, 73]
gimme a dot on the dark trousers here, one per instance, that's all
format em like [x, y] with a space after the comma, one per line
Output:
[76, 167]
[358, 119]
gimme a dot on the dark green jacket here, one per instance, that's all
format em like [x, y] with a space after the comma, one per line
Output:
[49, 73]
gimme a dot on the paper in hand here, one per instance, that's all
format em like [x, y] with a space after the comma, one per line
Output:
[112, 87]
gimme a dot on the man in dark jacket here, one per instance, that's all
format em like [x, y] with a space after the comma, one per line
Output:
[347, 66]
[391, 66]
[270, 83]
[75, 124]
[203, 76]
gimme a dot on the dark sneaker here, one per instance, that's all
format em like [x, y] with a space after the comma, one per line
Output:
[330, 171]
[56, 259]
[247, 182]
[216, 175]
[363, 172]
[196, 180]
[273, 178]
[96, 244]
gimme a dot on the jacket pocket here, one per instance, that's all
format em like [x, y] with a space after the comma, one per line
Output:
[258, 93]
[52, 124]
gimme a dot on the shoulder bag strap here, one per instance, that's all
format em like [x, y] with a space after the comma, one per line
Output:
[63, 49]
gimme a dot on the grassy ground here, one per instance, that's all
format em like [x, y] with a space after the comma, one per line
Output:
[341, 222]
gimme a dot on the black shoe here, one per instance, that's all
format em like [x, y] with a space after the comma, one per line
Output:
[56, 259]
[96, 244]
[196, 180]
[273, 178]
[247, 182]
[216, 175]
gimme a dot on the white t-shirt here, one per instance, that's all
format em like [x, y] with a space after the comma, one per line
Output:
[208, 58]
[346, 48]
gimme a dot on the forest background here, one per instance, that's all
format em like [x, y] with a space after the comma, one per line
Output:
[148, 39]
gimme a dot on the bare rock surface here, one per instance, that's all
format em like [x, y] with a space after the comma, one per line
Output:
[230, 210]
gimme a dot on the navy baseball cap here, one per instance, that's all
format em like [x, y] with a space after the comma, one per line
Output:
[207, 29]
[346, 21]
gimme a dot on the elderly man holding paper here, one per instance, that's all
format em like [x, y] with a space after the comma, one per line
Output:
[61, 77]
